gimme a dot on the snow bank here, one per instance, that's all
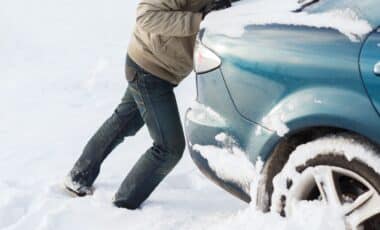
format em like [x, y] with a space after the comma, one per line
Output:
[311, 216]
[262, 12]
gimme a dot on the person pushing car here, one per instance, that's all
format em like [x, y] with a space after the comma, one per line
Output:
[159, 57]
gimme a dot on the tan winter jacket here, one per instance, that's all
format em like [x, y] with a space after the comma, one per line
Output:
[164, 37]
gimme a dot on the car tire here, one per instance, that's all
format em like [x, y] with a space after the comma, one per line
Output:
[338, 170]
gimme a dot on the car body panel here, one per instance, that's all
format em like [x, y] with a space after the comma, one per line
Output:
[199, 131]
[277, 80]
[296, 81]
[212, 91]
[370, 56]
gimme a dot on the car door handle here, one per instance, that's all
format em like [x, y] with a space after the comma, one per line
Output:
[376, 69]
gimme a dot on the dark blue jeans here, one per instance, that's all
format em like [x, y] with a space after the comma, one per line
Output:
[148, 100]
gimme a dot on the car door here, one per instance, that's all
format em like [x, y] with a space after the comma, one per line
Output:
[370, 67]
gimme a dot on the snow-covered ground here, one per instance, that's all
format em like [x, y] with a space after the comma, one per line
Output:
[61, 69]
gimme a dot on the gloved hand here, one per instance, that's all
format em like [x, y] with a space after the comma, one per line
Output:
[215, 5]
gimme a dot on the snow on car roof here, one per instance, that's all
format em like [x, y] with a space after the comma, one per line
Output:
[231, 21]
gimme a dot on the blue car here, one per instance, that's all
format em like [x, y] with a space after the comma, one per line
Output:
[304, 103]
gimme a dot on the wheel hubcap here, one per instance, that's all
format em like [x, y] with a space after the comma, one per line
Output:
[343, 189]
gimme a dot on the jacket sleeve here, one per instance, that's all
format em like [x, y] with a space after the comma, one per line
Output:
[158, 19]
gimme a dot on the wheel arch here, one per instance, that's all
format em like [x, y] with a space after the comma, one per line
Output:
[324, 106]
[282, 150]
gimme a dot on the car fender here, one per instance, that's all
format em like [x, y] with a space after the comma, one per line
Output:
[324, 106]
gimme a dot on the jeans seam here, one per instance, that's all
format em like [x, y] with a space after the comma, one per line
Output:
[146, 95]
[137, 89]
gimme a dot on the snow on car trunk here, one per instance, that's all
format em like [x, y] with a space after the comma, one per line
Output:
[231, 22]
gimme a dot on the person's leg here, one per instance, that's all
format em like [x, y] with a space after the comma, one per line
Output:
[158, 107]
[125, 121]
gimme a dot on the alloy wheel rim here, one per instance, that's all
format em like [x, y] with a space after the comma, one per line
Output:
[343, 189]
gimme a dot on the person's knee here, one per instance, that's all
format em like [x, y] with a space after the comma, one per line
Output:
[177, 146]
[130, 122]
[171, 149]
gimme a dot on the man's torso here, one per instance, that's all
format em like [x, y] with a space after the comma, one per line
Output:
[166, 56]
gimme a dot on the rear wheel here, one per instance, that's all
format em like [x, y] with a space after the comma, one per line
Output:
[336, 171]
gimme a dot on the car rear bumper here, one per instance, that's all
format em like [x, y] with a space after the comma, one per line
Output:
[201, 133]
[214, 115]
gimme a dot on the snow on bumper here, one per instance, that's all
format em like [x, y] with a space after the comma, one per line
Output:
[216, 154]
[203, 115]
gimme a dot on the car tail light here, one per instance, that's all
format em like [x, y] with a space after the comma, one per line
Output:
[204, 59]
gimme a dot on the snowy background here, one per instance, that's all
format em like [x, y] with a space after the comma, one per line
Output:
[62, 74]
[61, 71]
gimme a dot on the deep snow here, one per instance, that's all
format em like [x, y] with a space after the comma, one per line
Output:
[61, 74]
